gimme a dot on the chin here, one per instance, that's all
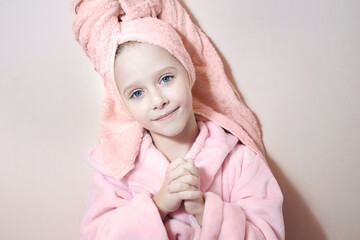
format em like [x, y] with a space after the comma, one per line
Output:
[173, 128]
[169, 130]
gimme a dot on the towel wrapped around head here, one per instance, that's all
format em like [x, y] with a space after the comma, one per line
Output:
[101, 25]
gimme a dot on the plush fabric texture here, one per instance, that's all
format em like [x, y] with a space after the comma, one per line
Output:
[100, 25]
[242, 197]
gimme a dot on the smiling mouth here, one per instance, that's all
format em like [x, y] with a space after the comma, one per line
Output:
[166, 115]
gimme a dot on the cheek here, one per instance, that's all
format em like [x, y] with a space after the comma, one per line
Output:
[182, 93]
[137, 110]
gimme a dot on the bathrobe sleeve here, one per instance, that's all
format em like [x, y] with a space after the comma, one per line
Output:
[255, 207]
[114, 213]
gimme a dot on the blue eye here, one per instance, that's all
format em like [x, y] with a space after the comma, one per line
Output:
[166, 79]
[136, 94]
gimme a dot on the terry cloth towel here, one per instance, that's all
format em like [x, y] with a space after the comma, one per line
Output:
[101, 25]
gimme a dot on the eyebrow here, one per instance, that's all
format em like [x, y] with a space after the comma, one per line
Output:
[156, 73]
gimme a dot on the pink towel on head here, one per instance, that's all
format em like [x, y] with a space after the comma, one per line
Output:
[100, 25]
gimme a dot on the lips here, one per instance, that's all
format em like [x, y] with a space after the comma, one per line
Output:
[166, 114]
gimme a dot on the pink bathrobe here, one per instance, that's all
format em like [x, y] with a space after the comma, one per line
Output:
[242, 197]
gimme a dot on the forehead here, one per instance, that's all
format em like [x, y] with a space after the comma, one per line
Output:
[140, 61]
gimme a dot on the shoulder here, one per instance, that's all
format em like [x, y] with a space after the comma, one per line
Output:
[242, 153]
[218, 137]
[238, 154]
[241, 158]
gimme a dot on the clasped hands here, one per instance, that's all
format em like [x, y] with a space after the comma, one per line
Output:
[181, 184]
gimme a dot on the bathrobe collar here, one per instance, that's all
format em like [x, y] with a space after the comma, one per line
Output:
[209, 151]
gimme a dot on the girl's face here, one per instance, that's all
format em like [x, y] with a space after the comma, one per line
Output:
[155, 88]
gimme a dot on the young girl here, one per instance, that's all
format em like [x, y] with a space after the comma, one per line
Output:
[179, 157]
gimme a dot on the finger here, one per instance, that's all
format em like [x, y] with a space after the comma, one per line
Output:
[176, 187]
[176, 173]
[189, 195]
[175, 163]
[190, 165]
[190, 160]
[189, 179]
[193, 166]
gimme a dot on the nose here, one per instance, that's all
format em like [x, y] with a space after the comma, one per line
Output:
[159, 101]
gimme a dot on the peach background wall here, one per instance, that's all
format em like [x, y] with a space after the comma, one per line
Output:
[296, 63]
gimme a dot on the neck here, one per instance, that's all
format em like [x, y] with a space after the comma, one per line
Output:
[179, 145]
